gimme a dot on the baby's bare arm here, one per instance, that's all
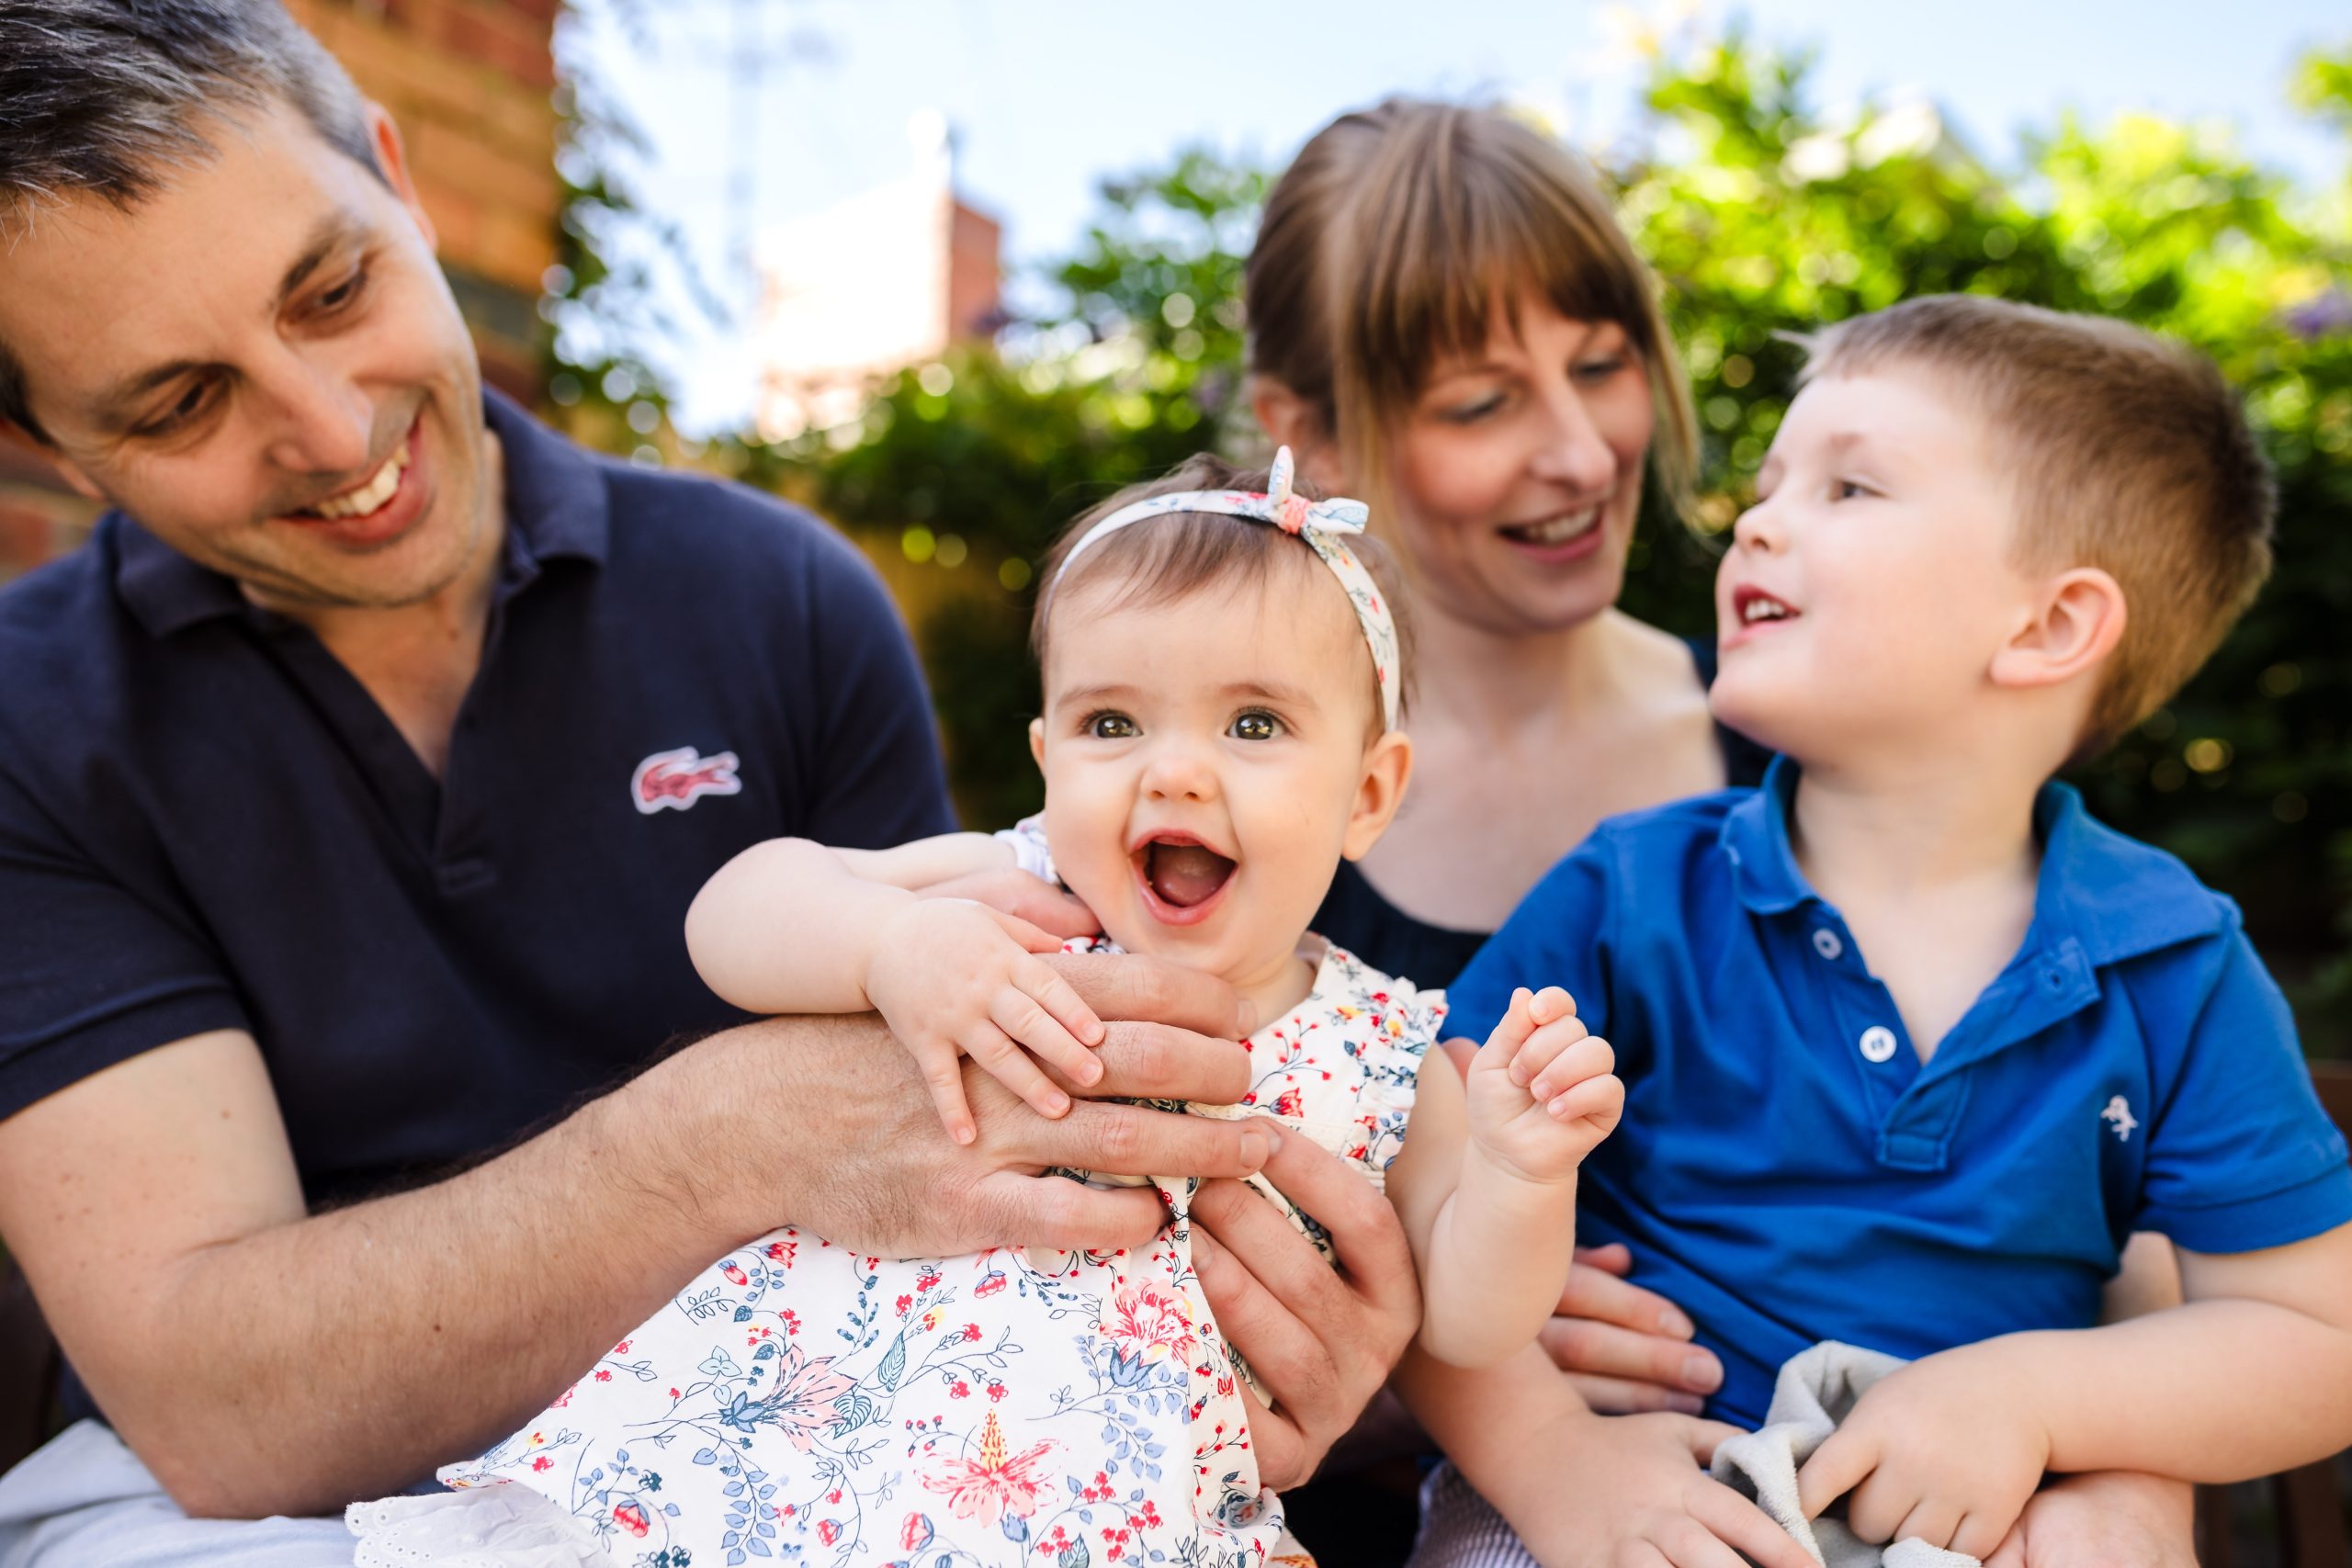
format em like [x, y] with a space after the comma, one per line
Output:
[791, 925]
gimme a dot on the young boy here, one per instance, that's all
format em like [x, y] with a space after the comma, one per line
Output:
[1911, 1043]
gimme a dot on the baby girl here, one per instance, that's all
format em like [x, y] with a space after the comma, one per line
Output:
[1223, 675]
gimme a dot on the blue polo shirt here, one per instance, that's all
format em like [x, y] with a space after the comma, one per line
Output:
[1787, 1170]
[207, 823]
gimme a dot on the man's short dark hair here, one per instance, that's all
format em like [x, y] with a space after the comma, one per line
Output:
[106, 96]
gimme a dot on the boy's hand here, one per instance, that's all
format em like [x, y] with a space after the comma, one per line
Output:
[954, 978]
[1946, 1450]
[1541, 1092]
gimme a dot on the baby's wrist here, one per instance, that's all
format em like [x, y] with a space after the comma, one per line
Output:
[1503, 1178]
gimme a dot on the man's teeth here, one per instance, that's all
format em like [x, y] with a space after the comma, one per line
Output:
[371, 496]
[1756, 610]
[1559, 530]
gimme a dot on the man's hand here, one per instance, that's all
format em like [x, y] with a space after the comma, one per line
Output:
[1321, 1340]
[2103, 1519]
[1946, 1450]
[884, 1179]
[1626, 1348]
[1017, 893]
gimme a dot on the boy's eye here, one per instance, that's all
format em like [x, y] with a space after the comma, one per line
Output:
[1598, 370]
[1255, 727]
[1847, 489]
[1110, 726]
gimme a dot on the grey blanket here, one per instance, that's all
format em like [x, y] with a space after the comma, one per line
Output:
[1815, 1390]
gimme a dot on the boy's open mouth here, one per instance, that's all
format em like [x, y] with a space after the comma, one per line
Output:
[1752, 605]
[1180, 872]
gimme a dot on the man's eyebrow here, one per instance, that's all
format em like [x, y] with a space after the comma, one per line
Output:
[331, 234]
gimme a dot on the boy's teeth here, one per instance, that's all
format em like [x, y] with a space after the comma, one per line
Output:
[1763, 610]
[369, 497]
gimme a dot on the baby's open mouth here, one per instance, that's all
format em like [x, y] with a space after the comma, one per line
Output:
[1183, 872]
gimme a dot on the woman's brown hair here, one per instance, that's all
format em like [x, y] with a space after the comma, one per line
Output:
[1394, 239]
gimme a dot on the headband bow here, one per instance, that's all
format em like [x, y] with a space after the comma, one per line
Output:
[1320, 524]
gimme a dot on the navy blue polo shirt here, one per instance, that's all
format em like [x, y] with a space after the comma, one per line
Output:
[207, 823]
[1788, 1172]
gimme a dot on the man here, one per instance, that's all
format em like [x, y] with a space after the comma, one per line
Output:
[353, 785]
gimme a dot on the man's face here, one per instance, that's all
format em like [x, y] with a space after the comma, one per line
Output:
[262, 362]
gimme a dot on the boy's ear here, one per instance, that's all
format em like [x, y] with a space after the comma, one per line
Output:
[1290, 420]
[1037, 742]
[2073, 626]
[1387, 766]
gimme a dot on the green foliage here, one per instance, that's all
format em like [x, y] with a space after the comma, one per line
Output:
[1763, 219]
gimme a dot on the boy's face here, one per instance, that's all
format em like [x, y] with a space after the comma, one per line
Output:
[1868, 590]
[1206, 767]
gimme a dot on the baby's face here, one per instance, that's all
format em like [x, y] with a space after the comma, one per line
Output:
[1206, 764]
[1869, 587]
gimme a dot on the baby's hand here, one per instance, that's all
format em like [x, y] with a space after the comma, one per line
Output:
[954, 978]
[1947, 1448]
[1541, 1092]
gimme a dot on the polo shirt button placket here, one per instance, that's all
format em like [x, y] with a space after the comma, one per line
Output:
[1877, 1044]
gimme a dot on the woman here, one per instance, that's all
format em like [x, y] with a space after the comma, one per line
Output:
[1446, 321]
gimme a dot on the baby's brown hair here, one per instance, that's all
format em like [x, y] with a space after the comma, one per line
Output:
[1178, 554]
[2128, 452]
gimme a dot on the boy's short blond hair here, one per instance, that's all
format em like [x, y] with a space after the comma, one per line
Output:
[2128, 452]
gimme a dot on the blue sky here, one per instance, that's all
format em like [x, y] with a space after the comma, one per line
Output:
[1049, 95]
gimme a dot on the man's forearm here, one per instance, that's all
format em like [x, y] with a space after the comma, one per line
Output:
[345, 1355]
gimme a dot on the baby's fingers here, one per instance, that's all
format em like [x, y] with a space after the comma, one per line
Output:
[1011, 1065]
[1601, 1099]
[943, 1075]
[1045, 985]
[1568, 1065]
[1025, 1018]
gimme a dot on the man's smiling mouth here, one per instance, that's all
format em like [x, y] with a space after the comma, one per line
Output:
[366, 499]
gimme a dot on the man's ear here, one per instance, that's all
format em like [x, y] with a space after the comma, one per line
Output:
[1388, 767]
[2072, 626]
[391, 161]
[16, 435]
[1290, 420]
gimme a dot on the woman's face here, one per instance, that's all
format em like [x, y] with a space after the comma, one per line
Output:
[1517, 471]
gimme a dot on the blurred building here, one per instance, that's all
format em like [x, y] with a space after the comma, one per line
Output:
[469, 81]
[884, 280]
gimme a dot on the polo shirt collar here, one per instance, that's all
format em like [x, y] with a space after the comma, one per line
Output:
[2114, 895]
[556, 507]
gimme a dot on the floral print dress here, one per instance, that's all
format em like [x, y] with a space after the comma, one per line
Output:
[800, 1404]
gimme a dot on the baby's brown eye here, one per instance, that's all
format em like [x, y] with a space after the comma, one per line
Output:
[1255, 727]
[1111, 726]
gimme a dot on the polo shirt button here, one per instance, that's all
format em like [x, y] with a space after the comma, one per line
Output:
[1825, 943]
[1878, 1042]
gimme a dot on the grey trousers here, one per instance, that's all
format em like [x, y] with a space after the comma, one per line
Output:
[1459, 1529]
[85, 1501]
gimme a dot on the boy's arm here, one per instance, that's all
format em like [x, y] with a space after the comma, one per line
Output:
[790, 926]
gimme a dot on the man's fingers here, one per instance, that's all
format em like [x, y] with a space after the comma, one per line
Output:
[1603, 1349]
[1134, 1140]
[1134, 987]
[1621, 1396]
[1835, 1468]
[1028, 1024]
[1615, 1258]
[1366, 1236]
[1737, 1522]
[1278, 1258]
[1293, 1365]
[1286, 1458]
[1597, 1290]
[1053, 1211]
[1152, 1061]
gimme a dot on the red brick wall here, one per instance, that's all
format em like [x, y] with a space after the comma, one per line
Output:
[468, 82]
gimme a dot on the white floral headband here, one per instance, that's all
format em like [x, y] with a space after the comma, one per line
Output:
[1320, 522]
